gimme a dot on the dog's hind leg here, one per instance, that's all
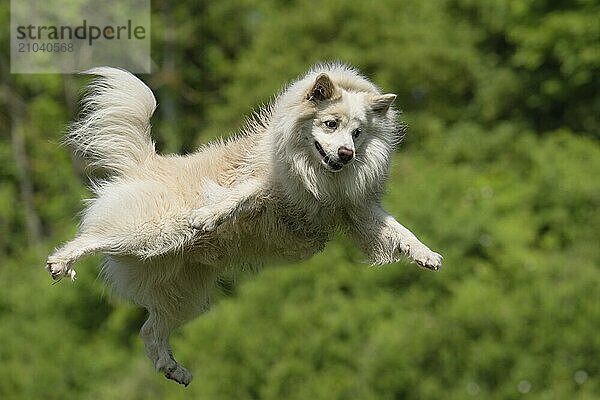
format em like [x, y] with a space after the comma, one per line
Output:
[60, 262]
[155, 335]
[172, 290]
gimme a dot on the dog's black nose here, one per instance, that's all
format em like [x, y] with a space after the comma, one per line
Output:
[345, 154]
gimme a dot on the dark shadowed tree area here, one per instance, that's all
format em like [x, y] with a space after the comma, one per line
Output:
[499, 171]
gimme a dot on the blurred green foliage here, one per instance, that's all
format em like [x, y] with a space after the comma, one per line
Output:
[499, 172]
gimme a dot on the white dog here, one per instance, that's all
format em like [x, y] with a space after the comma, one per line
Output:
[312, 162]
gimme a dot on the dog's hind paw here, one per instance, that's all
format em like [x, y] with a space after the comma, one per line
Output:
[204, 219]
[59, 269]
[174, 371]
[179, 374]
[424, 257]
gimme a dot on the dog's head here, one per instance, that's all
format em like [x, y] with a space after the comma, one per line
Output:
[343, 120]
[336, 132]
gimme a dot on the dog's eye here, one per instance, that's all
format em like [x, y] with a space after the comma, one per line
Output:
[331, 124]
[356, 133]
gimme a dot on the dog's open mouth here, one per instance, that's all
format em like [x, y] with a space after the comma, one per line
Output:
[327, 160]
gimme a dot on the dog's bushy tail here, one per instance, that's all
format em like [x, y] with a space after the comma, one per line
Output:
[114, 131]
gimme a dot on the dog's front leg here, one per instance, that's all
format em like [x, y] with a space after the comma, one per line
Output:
[224, 203]
[384, 239]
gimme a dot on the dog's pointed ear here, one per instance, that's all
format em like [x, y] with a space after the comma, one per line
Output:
[382, 103]
[322, 89]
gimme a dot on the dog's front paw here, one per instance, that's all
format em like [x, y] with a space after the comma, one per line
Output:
[58, 269]
[426, 258]
[204, 219]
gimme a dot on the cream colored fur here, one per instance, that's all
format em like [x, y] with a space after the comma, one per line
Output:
[168, 225]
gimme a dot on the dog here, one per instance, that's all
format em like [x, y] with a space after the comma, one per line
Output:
[312, 162]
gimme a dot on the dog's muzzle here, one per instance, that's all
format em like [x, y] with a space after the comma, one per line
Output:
[335, 164]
